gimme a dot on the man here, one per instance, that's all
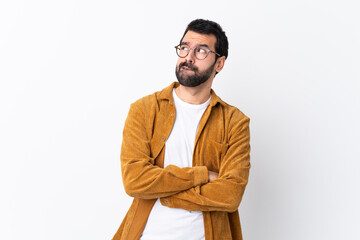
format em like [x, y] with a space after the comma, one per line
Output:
[185, 155]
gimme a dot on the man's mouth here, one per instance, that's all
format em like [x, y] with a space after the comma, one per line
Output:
[186, 68]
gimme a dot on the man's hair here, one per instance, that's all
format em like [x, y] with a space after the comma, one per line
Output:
[209, 27]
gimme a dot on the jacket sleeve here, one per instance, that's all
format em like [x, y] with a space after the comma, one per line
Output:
[143, 179]
[224, 193]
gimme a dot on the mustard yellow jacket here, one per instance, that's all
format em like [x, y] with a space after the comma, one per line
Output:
[222, 145]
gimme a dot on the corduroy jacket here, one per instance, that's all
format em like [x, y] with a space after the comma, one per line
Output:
[222, 145]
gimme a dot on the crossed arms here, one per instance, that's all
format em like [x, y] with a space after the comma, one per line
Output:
[190, 188]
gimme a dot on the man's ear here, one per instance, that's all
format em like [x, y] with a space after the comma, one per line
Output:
[219, 63]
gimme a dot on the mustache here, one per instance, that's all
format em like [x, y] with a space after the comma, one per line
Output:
[189, 65]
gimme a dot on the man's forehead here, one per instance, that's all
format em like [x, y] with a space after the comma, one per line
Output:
[194, 38]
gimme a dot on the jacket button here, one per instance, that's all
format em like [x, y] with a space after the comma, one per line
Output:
[166, 201]
[172, 114]
[163, 139]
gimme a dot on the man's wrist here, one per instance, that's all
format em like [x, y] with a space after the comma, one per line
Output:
[200, 175]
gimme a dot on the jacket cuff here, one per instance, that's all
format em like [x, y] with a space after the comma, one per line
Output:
[200, 175]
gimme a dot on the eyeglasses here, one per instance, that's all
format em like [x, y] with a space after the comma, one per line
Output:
[182, 50]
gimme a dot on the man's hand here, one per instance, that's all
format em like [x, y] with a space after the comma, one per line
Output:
[212, 175]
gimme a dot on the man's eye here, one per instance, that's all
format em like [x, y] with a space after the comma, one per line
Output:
[184, 48]
[201, 50]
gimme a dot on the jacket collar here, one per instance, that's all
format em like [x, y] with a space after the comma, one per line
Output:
[166, 94]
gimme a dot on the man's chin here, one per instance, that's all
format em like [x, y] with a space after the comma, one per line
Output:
[185, 76]
[186, 82]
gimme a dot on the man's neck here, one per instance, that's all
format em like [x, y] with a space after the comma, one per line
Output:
[194, 95]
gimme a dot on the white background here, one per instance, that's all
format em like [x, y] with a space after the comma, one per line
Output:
[69, 70]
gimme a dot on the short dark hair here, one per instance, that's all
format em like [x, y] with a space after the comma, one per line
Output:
[209, 27]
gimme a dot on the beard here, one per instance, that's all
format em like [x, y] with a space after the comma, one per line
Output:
[195, 79]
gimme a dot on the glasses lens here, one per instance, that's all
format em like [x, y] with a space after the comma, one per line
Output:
[201, 52]
[182, 50]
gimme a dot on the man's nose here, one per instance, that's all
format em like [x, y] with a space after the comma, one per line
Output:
[191, 56]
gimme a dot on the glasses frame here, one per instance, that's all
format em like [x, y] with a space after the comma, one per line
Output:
[193, 48]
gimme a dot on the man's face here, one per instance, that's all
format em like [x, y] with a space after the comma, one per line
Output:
[191, 71]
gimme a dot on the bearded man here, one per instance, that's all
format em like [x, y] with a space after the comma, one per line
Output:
[185, 155]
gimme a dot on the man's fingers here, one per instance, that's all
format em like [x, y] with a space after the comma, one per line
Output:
[212, 175]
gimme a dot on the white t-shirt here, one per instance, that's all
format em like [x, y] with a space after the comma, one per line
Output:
[174, 223]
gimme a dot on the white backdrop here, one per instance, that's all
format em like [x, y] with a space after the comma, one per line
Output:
[69, 70]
